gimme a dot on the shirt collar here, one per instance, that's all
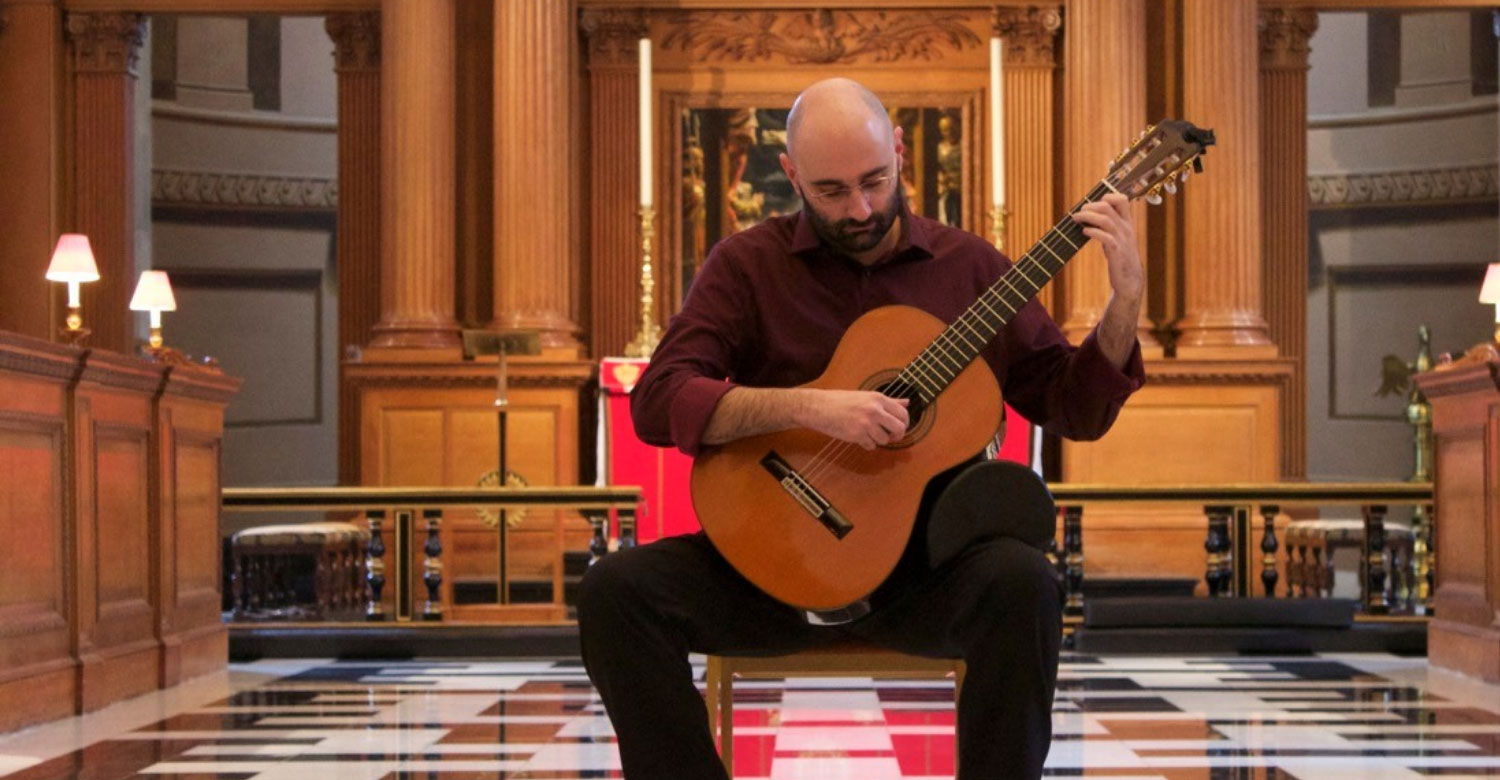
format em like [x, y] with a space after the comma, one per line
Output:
[914, 236]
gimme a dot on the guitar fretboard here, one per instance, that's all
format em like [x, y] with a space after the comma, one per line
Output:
[941, 361]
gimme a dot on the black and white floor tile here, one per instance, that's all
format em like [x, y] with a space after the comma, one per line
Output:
[1356, 717]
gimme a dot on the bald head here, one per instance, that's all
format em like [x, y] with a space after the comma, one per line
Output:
[832, 112]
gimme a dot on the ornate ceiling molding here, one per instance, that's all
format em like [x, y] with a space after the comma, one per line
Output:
[219, 189]
[1284, 35]
[612, 34]
[1030, 34]
[1417, 187]
[821, 37]
[356, 40]
[105, 42]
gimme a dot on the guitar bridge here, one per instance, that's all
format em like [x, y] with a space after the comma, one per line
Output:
[806, 495]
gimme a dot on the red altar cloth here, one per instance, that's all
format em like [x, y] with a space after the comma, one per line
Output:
[662, 474]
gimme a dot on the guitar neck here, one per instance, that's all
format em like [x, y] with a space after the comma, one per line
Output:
[958, 345]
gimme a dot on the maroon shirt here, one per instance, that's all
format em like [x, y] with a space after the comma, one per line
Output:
[770, 304]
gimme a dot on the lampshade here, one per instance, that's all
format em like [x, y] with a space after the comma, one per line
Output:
[73, 260]
[153, 293]
[1489, 292]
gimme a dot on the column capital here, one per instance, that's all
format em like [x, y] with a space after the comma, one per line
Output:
[356, 40]
[612, 34]
[1284, 33]
[1030, 34]
[105, 42]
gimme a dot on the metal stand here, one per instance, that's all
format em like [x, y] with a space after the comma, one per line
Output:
[501, 345]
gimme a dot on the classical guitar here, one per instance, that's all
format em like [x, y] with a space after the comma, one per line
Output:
[819, 523]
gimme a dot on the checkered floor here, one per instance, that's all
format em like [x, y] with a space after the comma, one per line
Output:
[1172, 718]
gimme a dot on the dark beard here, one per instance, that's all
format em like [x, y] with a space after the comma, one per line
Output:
[835, 232]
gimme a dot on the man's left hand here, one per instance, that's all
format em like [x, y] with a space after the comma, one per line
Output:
[1108, 221]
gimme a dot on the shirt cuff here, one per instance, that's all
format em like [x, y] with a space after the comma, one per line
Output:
[692, 406]
[1095, 368]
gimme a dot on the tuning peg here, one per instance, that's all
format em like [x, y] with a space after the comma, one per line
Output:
[1154, 197]
[1197, 165]
[1182, 177]
[1170, 186]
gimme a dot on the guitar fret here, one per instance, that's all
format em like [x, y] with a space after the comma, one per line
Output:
[953, 350]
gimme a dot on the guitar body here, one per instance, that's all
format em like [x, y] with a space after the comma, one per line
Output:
[773, 538]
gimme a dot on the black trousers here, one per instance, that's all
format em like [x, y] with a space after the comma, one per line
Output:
[641, 611]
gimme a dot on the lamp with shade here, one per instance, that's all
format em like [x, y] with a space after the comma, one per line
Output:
[1490, 293]
[153, 293]
[73, 263]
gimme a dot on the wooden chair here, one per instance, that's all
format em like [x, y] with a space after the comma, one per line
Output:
[843, 659]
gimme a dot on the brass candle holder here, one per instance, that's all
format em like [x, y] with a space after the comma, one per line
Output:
[649, 334]
[997, 226]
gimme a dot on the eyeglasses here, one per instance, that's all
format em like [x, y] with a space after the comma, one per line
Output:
[872, 188]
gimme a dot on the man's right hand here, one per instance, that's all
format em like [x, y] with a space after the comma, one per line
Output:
[862, 417]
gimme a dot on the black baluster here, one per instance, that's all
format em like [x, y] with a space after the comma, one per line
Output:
[1217, 572]
[1374, 560]
[627, 527]
[1268, 548]
[432, 566]
[599, 544]
[375, 566]
[1073, 559]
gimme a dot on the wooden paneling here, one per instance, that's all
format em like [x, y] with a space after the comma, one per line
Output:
[112, 417]
[190, 432]
[1465, 633]
[109, 508]
[38, 678]
[1228, 415]
[435, 424]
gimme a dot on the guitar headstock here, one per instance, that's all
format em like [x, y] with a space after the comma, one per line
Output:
[1159, 159]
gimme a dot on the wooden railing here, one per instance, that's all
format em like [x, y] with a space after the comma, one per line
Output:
[1227, 510]
[407, 504]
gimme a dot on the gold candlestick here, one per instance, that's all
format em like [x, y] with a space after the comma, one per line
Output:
[649, 335]
[997, 227]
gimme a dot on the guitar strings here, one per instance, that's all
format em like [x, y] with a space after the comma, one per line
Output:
[834, 452]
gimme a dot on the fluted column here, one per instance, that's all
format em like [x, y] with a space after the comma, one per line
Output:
[1221, 209]
[31, 57]
[533, 176]
[1030, 36]
[102, 49]
[356, 54]
[1105, 96]
[1284, 35]
[614, 155]
[418, 175]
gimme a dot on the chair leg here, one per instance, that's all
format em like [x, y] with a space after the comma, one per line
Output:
[711, 694]
[959, 670]
[726, 720]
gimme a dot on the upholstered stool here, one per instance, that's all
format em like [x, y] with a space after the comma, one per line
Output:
[307, 571]
[1310, 545]
[843, 659]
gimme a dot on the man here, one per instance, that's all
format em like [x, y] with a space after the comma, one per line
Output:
[766, 312]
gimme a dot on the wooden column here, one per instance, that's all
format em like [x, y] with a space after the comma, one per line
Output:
[1221, 209]
[103, 48]
[1104, 100]
[533, 169]
[1284, 34]
[418, 175]
[614, 155]
[1030, 36]
[30, 58]
[356, 54]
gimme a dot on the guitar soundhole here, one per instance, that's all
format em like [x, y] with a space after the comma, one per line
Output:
[916, 411]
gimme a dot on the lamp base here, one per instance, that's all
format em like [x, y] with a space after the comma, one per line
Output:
[76, 336]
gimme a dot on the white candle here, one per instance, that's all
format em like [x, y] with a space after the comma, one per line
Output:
[997, 149]
[645, 115]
